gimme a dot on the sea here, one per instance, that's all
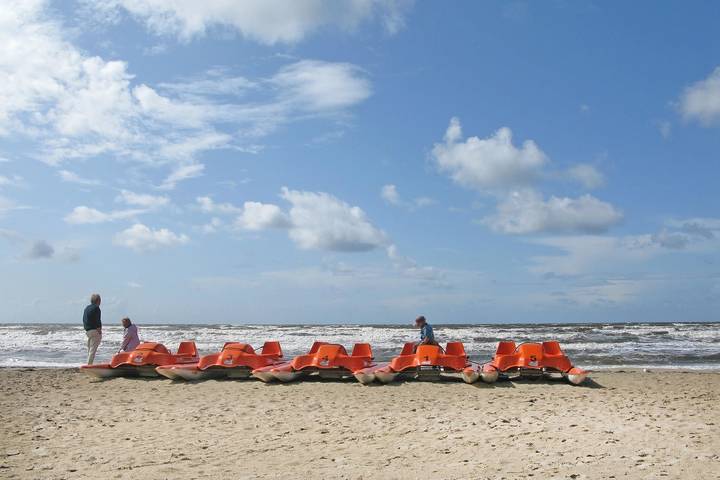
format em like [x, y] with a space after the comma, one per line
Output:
[594, 346]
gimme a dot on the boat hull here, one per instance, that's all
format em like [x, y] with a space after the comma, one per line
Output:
[106, 371]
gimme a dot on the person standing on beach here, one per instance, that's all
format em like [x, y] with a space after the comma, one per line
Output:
[427, 336]
[130, 336]
[93, 326]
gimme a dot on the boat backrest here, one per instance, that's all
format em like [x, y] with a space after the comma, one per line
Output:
[272, 348]
[529, 350]
[315, 347]
[455, 349]
[551, 348]
[239, 347]
[331, 350]
[187, 349]
[152, 347]
[362, 350]
[505, 348]
[408, 349]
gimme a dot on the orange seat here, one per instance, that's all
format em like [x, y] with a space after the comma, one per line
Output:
[187, 349]
[362, 350]
[408, 349]
[505, 348]
[153, 347]
[551, 348]
[272, 349]
[315, 347]
[455, 349]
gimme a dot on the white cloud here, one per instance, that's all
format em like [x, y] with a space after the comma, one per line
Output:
[86, 215]
[71, 177]
[264, 21]
[142, 199]
[182, 172]
[321, 221]
[259, 216]
[701, 100]
[315, 220]
[48, 81]
[73, 105]
[390, 194]
[142, 238]
[208, 205]
[525, 211]
[488, 164]
[587, 175]
[317, 86]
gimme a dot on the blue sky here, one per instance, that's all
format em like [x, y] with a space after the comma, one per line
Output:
[360, 161]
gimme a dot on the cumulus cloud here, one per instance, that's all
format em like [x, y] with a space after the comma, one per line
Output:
[322, 221]
[73, 105]
[488, 164]
[142, 199]
[259, 216]
[86, 215]
[264, 21]
[523, 212]
[142, 238]
[315, 220]
[701, 100]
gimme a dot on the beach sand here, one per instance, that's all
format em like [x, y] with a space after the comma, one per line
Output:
[62, 424]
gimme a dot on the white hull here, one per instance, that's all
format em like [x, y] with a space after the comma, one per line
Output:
[385, 377]
[265, 376]
[365, 377]
[577, 379]
[101, 372]
[470, 376]
[285, 376]
[489, 377]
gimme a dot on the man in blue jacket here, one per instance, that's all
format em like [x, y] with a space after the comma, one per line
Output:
[93, 326]
[427, 336]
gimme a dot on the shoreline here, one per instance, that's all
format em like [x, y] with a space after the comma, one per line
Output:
[630, 369]
[60, 423]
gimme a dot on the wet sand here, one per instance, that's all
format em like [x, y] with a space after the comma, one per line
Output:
[63, 424]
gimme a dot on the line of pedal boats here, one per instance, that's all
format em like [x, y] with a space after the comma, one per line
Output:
[330, 360]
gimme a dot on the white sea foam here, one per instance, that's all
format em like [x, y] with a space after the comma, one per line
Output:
[683, 345]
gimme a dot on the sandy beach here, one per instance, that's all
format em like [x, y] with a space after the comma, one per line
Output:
[59, 423]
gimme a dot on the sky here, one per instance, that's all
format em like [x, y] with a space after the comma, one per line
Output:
[360, 161]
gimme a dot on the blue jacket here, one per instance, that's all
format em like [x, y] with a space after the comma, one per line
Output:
[91, 317]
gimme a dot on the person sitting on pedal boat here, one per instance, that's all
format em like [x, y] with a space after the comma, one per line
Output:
[427, 336]
[130, 336]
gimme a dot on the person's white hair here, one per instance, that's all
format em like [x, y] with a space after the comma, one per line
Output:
[95, 298]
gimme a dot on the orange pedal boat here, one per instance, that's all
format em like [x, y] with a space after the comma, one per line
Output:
[328, 360]
[531, 359]
[235, 360]
[425, 361]
[143, 360]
